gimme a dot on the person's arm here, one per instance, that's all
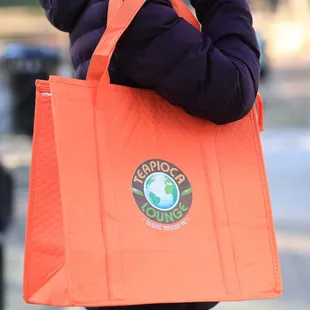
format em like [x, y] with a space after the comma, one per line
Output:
[63, 13]
[213, 74]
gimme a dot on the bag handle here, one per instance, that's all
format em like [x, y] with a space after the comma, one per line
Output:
[260, 112]
[113, 7]
[120, 15]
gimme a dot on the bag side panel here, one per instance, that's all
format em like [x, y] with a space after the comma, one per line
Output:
[44, 245]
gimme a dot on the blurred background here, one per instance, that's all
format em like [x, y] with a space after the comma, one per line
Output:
[30, 48]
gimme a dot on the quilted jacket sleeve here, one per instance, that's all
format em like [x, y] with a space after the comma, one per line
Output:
[213, 75]
[63, 13]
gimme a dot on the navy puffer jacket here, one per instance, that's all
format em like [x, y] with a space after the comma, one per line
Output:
[213, 74]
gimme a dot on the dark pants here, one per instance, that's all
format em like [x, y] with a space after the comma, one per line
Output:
[183, 306]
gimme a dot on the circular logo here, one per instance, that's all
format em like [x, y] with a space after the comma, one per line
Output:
[161, 191]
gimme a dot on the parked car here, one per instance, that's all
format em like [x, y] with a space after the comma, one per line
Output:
[264, 61]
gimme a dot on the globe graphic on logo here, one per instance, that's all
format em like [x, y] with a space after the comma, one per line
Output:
[161, 191]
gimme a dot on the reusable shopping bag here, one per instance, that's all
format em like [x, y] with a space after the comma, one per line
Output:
[133, 201]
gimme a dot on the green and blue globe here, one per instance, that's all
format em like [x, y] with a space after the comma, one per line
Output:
[161, 191]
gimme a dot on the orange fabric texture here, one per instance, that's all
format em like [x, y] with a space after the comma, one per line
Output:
[133, 201]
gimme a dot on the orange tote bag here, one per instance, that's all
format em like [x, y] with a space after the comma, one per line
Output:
[133, 201]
